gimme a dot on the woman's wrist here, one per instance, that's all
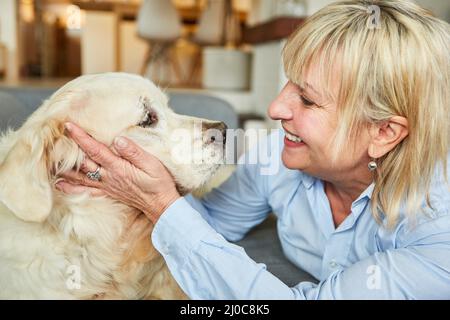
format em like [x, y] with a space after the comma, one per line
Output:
[160, 205]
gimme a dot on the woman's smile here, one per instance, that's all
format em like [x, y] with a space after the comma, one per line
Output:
[292, 141]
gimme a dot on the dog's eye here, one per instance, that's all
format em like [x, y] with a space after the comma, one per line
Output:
[150, 116]
[150, 119]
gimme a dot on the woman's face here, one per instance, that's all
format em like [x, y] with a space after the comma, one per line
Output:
[310, 121]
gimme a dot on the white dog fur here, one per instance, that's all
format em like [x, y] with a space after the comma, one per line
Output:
[48, 239]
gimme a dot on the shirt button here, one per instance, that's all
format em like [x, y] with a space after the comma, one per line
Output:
[333, 264]
[165, 248]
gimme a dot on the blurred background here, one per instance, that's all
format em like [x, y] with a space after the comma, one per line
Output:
[230, 49]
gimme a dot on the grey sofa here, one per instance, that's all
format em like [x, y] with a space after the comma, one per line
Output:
[262, 243]
[17, 103]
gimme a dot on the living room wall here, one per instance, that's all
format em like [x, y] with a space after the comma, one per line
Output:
[8, 37]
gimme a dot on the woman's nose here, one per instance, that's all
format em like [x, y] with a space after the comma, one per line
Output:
[279, 109]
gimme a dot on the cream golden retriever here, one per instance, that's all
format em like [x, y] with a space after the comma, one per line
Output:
[58, 246]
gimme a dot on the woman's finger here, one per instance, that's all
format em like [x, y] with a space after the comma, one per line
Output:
[70, 188]
[88, 165]
[97, 151]
[130, 151]
[81, 178]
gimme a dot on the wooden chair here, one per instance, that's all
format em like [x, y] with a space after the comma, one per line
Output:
[210, 32]
[3, 60]
[159, 24]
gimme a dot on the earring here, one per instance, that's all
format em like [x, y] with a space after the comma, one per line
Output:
[372, 165]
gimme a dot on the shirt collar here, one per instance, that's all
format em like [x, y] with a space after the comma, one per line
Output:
[368, 192]
[308, 180]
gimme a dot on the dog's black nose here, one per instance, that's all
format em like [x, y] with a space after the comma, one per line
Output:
[223, 128]
[213, 126]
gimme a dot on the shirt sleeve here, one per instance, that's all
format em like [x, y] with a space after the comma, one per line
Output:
[206, 266]
[236, 206]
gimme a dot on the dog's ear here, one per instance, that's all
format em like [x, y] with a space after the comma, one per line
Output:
[25, 186]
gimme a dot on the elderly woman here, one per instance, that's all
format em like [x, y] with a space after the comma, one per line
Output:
[362, 197]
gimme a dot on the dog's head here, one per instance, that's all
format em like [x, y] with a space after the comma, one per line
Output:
[105, 106]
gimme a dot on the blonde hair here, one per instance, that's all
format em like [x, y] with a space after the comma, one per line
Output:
[394, 64]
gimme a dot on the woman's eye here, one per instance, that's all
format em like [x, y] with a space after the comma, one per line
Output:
[307, 102]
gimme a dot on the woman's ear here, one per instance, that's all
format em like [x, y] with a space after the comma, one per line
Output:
[387, 135]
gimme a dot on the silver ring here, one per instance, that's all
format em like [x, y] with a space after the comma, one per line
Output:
[95, 176]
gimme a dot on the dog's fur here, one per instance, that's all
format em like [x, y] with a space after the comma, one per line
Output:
[44, 232]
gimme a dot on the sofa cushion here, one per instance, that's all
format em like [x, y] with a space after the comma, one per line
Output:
[31, 98]
[12, 112]
[19, 103]
[263, 245]
[203, 106]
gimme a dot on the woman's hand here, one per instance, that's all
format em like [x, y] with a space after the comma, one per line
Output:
[136, 178]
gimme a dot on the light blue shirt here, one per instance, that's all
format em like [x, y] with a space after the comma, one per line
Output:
[358, 260]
